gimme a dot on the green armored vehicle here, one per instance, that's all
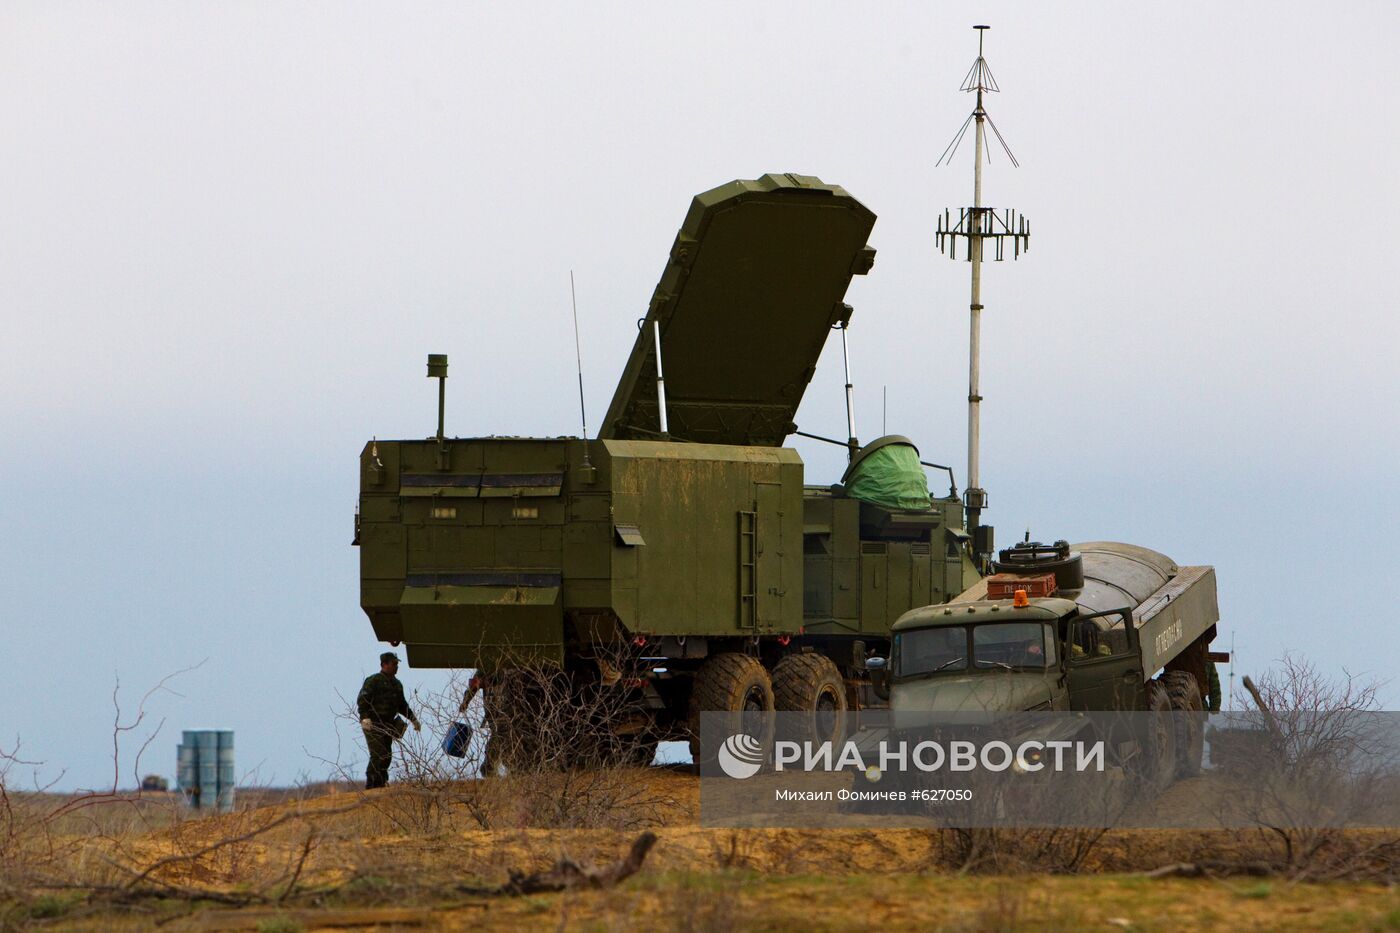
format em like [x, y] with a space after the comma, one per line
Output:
[1100, 626]
[681, 539]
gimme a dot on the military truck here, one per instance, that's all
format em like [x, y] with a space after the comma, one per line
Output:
[682, 539]
[1100, 626]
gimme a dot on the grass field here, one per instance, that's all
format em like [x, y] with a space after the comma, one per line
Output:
[416, 857]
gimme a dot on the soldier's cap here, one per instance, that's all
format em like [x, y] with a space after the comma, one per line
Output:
[387, 657]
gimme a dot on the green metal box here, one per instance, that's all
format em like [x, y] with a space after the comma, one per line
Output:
[517, 549]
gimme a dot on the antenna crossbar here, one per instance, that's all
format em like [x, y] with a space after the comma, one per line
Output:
[986, 225]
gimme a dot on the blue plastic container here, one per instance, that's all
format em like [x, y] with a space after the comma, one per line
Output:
[459, 736]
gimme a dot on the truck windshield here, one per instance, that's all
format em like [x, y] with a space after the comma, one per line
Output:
[929, 650]
[1004, 645]
[1012, 644]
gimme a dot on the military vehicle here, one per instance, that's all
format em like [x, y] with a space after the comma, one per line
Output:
[1100, 626]
[682, 537]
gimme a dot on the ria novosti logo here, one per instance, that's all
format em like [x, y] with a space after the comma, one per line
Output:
[741, 756]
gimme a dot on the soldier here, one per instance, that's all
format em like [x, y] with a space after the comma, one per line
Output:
[474, 687]
[490, 756]
[381, 702]
[1212, 688]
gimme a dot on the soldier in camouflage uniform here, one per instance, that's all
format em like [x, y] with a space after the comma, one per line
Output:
[1213, 689]
[381, 702]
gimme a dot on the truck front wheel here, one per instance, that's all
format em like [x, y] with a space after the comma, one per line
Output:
[810, 683]
[738, 686]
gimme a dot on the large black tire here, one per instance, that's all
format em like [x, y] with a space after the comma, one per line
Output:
[811, 684]
[1188, 720]
[737, 685]
[1156, 759]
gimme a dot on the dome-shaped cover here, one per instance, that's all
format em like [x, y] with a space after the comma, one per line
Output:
[887, 472]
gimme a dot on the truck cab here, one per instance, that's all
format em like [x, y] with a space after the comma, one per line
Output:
[1039, 654]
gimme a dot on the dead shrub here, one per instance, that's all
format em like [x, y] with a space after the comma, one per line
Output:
[1324, 766]
[1054, 850]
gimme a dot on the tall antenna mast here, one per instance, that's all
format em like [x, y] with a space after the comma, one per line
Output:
[1231, 701]
[979, 225]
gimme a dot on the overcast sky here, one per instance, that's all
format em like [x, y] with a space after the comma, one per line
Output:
[232, 232]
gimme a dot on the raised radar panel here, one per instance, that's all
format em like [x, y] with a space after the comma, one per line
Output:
[754, 284]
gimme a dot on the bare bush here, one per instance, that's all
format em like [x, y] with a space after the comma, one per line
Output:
[1321, 760]
[1319, 725]
[44, 834]
[1052, 850]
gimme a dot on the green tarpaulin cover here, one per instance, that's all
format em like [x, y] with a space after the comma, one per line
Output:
[890, 476]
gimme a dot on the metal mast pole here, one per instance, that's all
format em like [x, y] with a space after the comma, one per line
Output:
[660, 383]
[437, 369]
[852, 445]
[979, 225]
[974, 368]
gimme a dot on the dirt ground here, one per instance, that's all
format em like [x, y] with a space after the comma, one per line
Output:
[416, 858]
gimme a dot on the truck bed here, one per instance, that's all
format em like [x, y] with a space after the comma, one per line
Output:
[1175, 616]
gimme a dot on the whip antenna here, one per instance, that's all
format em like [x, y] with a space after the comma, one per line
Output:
[979, 225]
[578, 358]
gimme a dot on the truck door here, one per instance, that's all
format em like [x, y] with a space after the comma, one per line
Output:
[1105, 667]
[768, 543]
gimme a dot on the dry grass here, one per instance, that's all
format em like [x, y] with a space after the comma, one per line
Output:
[329, 859]
[421, 852]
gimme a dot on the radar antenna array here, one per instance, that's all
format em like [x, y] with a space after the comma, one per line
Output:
[988, 233]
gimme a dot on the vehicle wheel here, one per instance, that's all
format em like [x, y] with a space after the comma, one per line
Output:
[1157, 758]
[1188, 720]
[737, 685]
[810, 683]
